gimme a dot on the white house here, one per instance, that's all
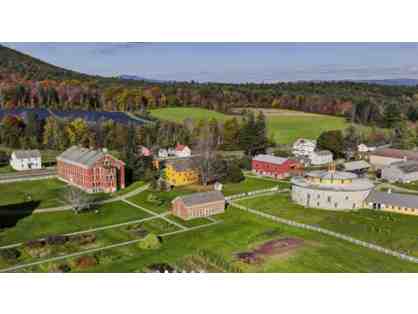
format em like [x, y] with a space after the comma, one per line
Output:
[183, 151]
[321, 157]
[303, 147]
[162, 153]
[26, 160]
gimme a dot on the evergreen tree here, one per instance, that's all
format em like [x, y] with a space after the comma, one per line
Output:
[392, 115]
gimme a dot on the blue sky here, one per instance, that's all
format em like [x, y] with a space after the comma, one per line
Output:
[233, 62]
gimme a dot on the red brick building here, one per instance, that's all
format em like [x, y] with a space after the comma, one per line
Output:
[91, 170]
[198, 205]
[276, 167]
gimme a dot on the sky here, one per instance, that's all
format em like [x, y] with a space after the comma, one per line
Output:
[233, 62]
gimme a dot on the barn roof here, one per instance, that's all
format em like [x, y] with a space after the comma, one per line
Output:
[23, 154]
[393, 199]
[81, 156]
[202, 198]
[270, 159]
[396, 153]
[182, 164]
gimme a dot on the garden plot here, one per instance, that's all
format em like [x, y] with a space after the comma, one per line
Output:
[273, 248]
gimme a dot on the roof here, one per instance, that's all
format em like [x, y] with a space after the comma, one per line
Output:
[180, 147]
[335, 175]
[270, 159]
[396, 153]
[81, 156]
[304, 141]
[202, 198]
[356, 165]
[394, 199]
[182, 164]
[323, 153]
[409, 166]
[23, 154]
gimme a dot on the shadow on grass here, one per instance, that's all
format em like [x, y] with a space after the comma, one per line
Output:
[11, 214]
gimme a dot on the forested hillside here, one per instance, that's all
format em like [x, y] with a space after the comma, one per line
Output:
[29, 82]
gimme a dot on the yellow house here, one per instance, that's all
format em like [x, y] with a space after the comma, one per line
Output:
[181, 172]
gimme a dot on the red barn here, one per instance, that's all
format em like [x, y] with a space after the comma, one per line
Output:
[276, 167]
[91, 170]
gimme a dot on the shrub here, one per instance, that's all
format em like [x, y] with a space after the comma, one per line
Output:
[35, 244]
[234, 174]
[86, 262]
[11, 254]
[60, 268]
[56, 240]
[83, 239]
[150, 242]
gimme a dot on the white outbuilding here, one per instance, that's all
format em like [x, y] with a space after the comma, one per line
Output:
[26, 160]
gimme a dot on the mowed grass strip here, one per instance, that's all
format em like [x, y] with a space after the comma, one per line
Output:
[241, 231]
[394, 231]
[44, 224]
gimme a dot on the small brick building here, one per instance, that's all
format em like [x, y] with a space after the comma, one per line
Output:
[198, 205]
[276, 167]
[91, 170]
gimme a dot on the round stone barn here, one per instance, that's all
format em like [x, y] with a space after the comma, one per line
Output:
[336, 190]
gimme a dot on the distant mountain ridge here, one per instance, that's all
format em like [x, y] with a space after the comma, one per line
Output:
[392, 82]
[140, 78]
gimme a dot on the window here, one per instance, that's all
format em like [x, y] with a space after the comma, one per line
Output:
[336, 205]
[346, 198]
[329, 199]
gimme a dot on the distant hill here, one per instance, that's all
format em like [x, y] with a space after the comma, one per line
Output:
[140, 78]
[16, 63]
[392, 82]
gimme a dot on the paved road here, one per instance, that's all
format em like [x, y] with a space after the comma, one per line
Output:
[29, 175]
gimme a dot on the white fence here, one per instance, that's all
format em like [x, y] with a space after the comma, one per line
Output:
[253, 193]
[330, 233]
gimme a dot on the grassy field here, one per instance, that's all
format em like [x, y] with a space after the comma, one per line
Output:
[240, 231]
[287, 129]
[285, 126]
[391, 230]
[6, 169]
[178, 114]
[47, 192]
[44, 224]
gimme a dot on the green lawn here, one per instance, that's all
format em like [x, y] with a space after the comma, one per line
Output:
[250, 184]
[391, 230]
[287, 129]
[158, 202]
[6, 169]
[409, 186]
[178, 114]
[47, 192]
[44, 224]
[240, 230]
